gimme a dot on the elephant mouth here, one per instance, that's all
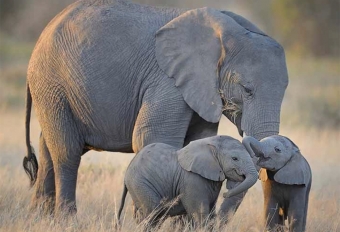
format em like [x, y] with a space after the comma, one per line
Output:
[239, 172]
[235, 175]
[262, 160]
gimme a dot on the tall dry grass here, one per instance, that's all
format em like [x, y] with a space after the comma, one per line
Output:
[100, 185]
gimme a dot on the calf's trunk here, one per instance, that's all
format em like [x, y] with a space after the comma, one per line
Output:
[250, 180]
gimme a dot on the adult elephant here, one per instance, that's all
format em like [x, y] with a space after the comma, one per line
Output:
[117, 76]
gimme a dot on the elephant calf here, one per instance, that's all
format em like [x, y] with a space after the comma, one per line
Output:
[194, 174]
[286, 180]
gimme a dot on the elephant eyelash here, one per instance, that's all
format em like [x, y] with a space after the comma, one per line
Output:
[278, 150]
[235, 158]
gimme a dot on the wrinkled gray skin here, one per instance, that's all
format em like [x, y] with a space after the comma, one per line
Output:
[160, 172]
[117, 76]
[286, 181]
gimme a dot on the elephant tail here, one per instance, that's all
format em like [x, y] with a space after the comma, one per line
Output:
[30, 162]
[122, 202]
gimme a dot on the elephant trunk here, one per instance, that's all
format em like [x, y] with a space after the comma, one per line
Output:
[253, 146]
[261, 124]
[250, 180]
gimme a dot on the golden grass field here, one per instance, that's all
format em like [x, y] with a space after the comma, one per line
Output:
[310, 117]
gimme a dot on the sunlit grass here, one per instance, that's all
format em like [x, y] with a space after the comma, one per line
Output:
[100, 185]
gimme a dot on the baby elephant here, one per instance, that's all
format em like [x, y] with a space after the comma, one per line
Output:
[194, 174]
[287, 179]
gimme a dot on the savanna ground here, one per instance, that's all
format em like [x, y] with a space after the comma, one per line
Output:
[310, 117]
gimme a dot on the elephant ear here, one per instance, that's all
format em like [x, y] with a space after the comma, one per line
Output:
[189, 49]
[244, 22]
[201, 158]
[295, 172]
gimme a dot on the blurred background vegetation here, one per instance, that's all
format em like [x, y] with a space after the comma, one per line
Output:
[309, 30]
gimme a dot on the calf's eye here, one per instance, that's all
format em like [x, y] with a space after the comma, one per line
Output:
[235, 158]
[278, 150]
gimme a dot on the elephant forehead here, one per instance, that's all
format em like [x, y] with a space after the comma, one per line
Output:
[229, 142]
[234, 149]
[287, 143]
[234, 145]
[271, 140]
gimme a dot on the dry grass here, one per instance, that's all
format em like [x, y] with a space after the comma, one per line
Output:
[100, 185]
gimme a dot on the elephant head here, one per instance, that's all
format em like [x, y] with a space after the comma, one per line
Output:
[223, 64]
[281, 156]
[218, 158]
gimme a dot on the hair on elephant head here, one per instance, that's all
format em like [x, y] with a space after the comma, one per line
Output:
[281, 156]
[222, 63]
[218, 158]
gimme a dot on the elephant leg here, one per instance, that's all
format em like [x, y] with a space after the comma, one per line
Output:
[230, 205]
[198, 213]
[296, 215]
[199, 129]
[147, 204]
[44, 193]
[66, 146]
[162, 118]
[272, 217]
[306, 207]
[151, 213]
[66, 172]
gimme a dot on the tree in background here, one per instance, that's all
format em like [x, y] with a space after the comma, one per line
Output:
[308, 26]
[9, 9]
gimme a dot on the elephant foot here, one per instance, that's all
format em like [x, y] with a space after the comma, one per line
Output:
[43, 205]
[66, 210]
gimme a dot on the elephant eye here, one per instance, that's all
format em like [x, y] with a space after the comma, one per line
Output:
[248, 90]
[278, 150]
[235, 158]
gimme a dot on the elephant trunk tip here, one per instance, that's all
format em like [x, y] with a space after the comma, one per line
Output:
[250, 180]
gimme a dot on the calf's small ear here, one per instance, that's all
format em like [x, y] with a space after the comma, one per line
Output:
[295, 172]
[200, 157]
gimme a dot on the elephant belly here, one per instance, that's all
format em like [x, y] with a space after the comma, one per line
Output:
[99, 143]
